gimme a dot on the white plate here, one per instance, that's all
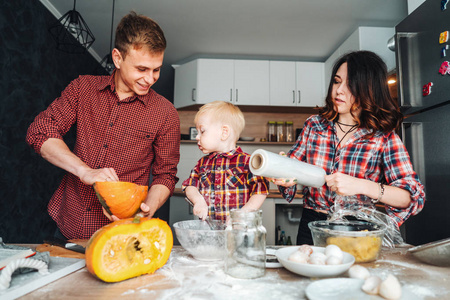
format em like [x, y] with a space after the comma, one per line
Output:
[271, 252]
[345, 289]
[310, 270]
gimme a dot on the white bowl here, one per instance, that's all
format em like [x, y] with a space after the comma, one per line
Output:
[310, 270]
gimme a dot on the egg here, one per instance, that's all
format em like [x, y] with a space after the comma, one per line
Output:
[359, 272]
[333, 250]
[333, 260]
[317, 258]
[305, 249]
[299, 257]
[371, 285]
[390, 288]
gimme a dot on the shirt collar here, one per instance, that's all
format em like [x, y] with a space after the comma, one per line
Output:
[229, 154]
[109, 82]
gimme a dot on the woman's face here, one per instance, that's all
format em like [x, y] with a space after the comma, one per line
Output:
[341, 95]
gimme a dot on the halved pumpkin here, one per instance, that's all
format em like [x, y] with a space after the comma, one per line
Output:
[120, 198]
[128, 248]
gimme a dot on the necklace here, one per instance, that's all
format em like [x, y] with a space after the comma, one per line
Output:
[345, 124]
[352, 128]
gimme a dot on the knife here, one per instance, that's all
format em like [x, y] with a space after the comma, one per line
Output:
[65, 244]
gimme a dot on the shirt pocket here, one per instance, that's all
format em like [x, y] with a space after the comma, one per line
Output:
[205, 177]
[140, 135]
[235, 177]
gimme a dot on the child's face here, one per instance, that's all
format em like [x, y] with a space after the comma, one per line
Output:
[209, 134]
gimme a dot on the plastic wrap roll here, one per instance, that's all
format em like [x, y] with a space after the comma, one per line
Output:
[269, 164]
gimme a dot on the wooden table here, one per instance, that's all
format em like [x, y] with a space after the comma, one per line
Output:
[183, 277]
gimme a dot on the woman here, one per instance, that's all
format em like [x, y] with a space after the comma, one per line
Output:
[353, 138]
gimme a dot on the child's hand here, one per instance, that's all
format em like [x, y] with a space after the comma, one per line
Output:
[285, 182]
[201, 210]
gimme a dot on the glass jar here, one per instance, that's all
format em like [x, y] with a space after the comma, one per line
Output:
[289, 131]
[246, 245]
[271, 132]
[280, 131]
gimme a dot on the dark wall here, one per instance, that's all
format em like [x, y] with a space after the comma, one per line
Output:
[32, 74]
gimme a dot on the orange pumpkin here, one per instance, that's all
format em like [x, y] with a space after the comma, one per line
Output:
[128, 248]
[120, 198]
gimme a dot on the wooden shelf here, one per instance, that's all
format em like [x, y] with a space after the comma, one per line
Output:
[264, 109]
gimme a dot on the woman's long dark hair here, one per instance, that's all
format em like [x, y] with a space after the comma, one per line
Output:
[367, 81]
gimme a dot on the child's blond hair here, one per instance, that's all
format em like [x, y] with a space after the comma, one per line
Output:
[224, 113]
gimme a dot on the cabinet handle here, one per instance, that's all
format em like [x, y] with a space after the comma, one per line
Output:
[293, 97]
[231, 95]
[299, 96]
[236, 95]
[193, 94]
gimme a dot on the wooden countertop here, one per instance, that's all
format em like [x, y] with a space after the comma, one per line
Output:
[183, 277]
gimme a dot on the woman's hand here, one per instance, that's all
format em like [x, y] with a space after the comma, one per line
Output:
[343, 184]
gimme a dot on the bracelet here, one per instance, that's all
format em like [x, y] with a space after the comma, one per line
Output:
[380, 193]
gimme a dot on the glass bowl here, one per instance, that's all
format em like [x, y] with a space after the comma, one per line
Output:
[202, 242]
[362, 239]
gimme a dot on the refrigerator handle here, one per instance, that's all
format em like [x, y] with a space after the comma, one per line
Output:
[400, 64]
[413, 139]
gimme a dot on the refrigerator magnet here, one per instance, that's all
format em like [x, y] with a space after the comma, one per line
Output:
[426, 90]
[444, 4]
[443, 37]
[444, 51]
[445, 68]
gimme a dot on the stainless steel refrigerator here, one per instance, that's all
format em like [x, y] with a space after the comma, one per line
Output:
[424, 94]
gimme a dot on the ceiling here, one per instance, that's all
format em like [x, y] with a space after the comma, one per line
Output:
[308, 30]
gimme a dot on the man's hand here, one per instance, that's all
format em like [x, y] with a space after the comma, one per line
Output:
[90, 176]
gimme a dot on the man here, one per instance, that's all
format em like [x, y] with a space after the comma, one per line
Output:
[125, 130]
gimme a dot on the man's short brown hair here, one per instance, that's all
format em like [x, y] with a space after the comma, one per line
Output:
[139, 31]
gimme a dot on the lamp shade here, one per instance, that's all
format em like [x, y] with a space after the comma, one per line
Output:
[71, 33]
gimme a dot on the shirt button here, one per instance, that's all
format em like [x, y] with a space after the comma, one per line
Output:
[88, 209]
[218, 187]
[219, 168]
[111, 124]
[105, 146]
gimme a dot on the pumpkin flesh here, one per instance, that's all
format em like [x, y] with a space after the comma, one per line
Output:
[123, 249]
[120, 198]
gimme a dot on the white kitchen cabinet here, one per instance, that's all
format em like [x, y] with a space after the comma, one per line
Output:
[364, 38]
[296, 83]
[242, 82]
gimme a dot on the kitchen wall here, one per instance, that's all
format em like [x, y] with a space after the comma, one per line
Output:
[255, 122]
[33, 73]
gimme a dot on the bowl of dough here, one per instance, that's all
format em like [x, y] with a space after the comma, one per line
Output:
[362, 239]
[202, 242]
[311, 261]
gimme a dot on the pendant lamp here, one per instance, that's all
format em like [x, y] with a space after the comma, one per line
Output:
[107, 61]
[71, 33]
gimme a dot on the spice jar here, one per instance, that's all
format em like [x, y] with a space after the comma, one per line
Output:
[246, 245]
[289, 131]
[280, 131]
[271, 132]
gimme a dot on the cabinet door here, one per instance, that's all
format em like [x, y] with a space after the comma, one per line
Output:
[310, 84]
[185, 84]
[282, 83]
[251, 82]
[214, 81]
